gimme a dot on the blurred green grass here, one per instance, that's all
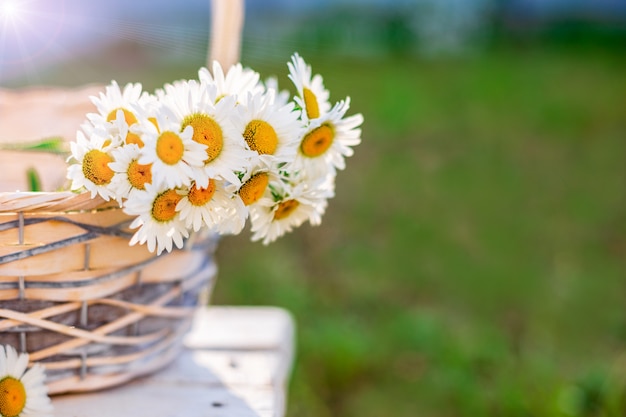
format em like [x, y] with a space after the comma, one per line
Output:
[473, 260]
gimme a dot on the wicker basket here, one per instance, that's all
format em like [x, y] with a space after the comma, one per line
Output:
[75, 296]
[93, 310]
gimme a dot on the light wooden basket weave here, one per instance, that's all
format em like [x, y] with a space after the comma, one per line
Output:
[93, 310]
[74, 295]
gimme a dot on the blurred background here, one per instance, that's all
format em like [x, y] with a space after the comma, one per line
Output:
[473, 262]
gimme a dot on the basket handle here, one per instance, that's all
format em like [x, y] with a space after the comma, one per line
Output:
[226, 26]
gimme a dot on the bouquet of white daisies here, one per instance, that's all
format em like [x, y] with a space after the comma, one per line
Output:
[215, 152]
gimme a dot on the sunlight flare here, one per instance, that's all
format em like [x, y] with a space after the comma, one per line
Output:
[10, 10]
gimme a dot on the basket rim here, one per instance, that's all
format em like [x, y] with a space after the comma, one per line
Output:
[52, 202]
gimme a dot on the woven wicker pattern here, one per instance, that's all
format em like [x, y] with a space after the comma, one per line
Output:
[73, 294]
[81, 301]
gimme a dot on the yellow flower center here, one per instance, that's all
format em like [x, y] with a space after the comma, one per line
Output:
[200, 196]
[252, 190]
[317, 141]
[12, 397]
[285, 209]
[261, 137]
[130, 119]
[154, 121]
[96, 167]
[310, 103]
[164, 206]
[134, 138]
[206, 131]
[128, 116]
[139, 175]
[170, 148]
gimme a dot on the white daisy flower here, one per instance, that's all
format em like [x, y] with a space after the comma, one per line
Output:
[312, 95]
[281, 97]
[114, 131]
[270, 130]
[176, 158]
[113, 100]
[210, 207]
[237, 81]
[192, 105]
[323, 184]
[23, 393]
[328, 140]
[92, 170]
[234, 221]
[160, 225]
[285, 208]
[254, 183]
[130, 175]
[213, 152]
[160, 93]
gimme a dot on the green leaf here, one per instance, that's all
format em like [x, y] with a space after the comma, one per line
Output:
[52, 145]
[34, 182]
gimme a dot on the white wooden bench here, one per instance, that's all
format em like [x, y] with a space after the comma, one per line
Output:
[236, 363]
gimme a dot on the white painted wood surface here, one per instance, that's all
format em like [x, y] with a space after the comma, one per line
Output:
[236, 363]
